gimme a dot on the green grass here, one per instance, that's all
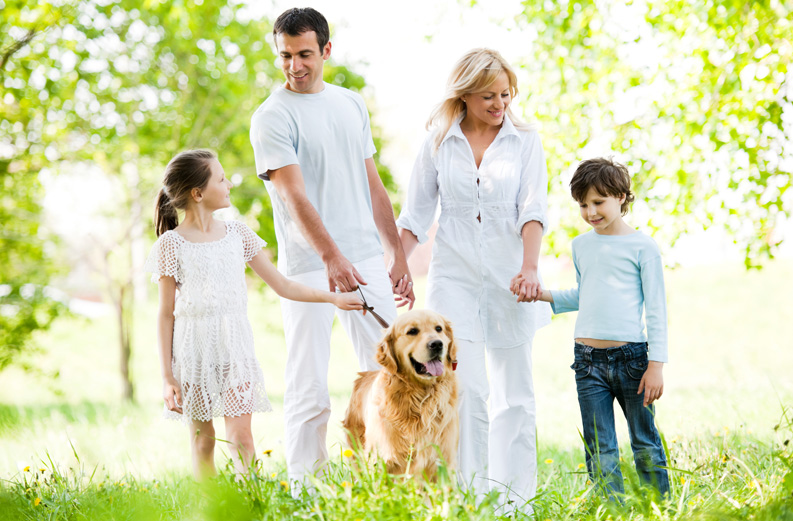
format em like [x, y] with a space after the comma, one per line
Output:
[730, 476]
[726, 386]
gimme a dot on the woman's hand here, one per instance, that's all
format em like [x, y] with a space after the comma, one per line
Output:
[526, 285]
[172, 394]
[347, 301]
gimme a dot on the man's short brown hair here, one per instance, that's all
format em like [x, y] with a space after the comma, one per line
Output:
[608, 177]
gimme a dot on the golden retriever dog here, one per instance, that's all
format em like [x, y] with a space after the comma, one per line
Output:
[406, 413]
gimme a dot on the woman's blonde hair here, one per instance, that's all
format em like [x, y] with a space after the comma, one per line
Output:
[477, 70]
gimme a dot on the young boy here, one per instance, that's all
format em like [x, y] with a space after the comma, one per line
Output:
[619, 273]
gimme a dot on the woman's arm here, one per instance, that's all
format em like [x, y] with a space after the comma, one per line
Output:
[526, 284]
[295, 291]
[172, 391]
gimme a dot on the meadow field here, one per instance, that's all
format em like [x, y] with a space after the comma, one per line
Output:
[69, 449]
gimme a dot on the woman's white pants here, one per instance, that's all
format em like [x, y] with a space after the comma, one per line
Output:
[498, 451]
[307, 327]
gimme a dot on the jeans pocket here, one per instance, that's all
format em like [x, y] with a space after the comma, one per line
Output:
[582, 369]
[636, 368]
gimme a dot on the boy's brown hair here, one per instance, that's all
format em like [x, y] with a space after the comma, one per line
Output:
[608, 178]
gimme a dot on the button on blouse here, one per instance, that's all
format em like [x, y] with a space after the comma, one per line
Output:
[478, 246]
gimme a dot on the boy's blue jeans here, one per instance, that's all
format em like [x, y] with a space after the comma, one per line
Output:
[602, 375]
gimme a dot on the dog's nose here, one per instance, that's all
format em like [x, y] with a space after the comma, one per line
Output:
[435, 347]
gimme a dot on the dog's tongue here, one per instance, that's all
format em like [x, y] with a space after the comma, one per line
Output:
[434, 367]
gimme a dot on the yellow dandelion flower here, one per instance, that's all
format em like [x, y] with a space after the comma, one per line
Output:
[588, 482]
[27, 469]
[691, 482]
[273, 475]
[548, 461]
[285, 485]
[347, 453]
[346, 484]
[37, 502]
[581, 466]
[268, 452]
[470, 507]
[682, 481]
[42, 470]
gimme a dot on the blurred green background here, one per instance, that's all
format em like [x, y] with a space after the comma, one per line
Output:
[97, 95]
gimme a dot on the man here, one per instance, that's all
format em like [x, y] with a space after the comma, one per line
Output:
[313, 147]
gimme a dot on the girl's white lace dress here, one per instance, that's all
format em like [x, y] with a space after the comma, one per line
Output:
[213, 356]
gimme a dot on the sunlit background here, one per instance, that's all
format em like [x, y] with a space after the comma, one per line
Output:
[98, 95]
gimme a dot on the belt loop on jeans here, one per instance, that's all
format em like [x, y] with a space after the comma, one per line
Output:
[588, 354]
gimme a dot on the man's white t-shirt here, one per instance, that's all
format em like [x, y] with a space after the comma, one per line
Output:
[328, 135]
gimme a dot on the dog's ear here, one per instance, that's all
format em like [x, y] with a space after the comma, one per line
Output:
[452, 353]
[385, 352]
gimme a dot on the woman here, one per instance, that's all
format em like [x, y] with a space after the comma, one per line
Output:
[488, 170]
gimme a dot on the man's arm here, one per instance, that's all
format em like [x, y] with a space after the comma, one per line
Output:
[288, 182]
[386, 226]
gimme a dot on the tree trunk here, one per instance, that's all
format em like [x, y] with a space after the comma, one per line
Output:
[124, 313]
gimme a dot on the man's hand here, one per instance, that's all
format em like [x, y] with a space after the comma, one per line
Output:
[342, 274]
[526, 285]
[401, 283]
[652, 382]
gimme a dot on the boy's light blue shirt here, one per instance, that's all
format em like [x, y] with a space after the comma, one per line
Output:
[618, 277]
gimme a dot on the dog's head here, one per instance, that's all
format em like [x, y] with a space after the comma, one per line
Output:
[419, 345]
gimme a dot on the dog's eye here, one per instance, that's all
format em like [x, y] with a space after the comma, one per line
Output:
[413, 331]
[438, 329]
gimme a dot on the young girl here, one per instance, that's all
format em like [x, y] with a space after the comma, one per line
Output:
[209, 368]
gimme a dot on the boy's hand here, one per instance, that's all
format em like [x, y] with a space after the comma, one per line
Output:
[526, 285]
[652, 382]
[347, 301]
[172, 394]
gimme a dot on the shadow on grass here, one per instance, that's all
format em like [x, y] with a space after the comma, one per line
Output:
[17, 417]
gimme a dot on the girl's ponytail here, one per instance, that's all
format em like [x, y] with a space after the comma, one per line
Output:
[165, 216]
[187, 170]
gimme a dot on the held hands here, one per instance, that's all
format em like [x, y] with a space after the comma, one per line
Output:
[172, 394]
[342, 275]
[652, 382]
[526, 285]
[401, 283]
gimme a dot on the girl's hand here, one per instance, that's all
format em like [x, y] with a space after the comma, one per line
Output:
[526, 285]
[347, 301]
[652, 382]
[172, 394]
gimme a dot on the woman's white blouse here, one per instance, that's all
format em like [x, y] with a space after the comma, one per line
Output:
[472, 261]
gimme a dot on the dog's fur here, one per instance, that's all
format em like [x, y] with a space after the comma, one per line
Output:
[407, 418]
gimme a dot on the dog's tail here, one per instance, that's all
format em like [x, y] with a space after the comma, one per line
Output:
[355, 417]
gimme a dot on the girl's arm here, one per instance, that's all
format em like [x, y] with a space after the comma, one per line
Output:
[171, 390]
[295, 291]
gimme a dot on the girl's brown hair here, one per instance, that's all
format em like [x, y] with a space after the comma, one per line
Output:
[188, 170]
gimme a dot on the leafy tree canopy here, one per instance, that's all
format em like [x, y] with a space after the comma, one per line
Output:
[694, 96]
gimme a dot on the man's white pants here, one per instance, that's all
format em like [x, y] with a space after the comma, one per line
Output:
[497, 451]
[307, 328]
